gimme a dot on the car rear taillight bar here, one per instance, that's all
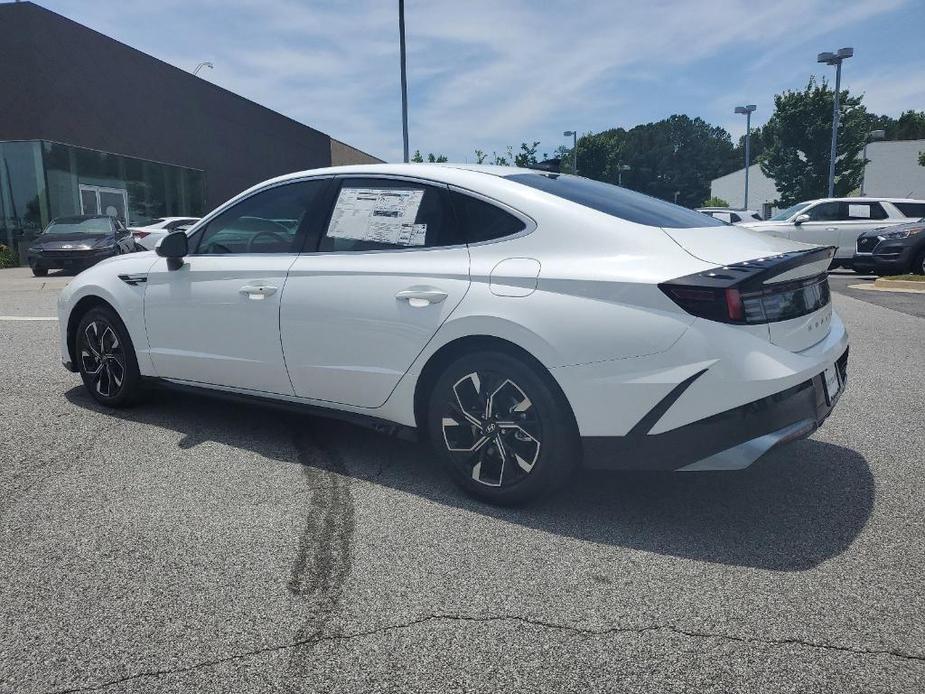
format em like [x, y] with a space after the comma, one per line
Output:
[747, 293]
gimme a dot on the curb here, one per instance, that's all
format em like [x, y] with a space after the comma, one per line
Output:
[884, 283]
[888, 288]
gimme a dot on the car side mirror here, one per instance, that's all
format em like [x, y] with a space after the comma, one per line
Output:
[174, 247]
[800, 218]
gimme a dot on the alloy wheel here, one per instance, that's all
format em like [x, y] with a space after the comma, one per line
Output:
[492, 429]
[102, 358]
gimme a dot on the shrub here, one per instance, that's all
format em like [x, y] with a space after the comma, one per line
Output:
[715, 202]
[7, 259]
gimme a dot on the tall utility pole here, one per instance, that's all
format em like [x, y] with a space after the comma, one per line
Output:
[835, 59]
[747, 110]
[574, 135]
[404, 78]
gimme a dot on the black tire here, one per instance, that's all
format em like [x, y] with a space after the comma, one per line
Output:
[515, 453]
[39, 271]
[104, 351]
[918, 265]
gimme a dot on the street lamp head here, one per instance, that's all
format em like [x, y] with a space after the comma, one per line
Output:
[744, 110]
[845, 52]
[827, 57]
[741, 109]
[568, 133]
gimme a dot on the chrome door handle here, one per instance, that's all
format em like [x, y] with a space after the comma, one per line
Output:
[831, 228]
[421, 296]
[257, 292]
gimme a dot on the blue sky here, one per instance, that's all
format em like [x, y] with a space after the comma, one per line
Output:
[490, 73]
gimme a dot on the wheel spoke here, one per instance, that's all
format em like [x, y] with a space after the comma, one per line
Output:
[91, 338]
[468, 390]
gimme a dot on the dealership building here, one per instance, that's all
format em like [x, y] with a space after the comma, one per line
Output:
[89, 125]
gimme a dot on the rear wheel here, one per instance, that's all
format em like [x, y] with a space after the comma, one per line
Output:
[503, 430]
[106, 358]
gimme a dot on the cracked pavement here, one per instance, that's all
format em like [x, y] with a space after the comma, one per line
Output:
[194, 545]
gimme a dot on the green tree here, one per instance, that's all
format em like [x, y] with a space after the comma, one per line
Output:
[480, 156]
[432, 158]
[909, 126]
[797, 142]
[715, 202]
[527, 155]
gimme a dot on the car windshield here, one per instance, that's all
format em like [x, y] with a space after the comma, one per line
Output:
[616, 201]
[80, 225]
[784, 215]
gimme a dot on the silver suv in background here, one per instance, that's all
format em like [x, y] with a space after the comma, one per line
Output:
[839, 221]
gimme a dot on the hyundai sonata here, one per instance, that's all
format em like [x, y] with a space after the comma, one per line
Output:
[523, 322]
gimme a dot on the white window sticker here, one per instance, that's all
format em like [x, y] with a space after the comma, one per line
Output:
[383, 215]
[858, 211]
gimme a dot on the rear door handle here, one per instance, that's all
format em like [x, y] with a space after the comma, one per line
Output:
[258, 292]
[421, 296]
[831, 228]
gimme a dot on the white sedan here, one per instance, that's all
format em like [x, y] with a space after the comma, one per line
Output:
[148, 235]
[523, 322]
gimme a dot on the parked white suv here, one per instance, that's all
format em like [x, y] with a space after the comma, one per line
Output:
[839, 221]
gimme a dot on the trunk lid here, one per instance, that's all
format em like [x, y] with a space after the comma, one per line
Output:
[731, 244]
[759, 282]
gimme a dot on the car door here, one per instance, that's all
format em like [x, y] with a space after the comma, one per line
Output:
[389, 268]
[216, 319]
[822, 226]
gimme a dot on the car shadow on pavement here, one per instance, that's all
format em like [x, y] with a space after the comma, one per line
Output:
[790, 511]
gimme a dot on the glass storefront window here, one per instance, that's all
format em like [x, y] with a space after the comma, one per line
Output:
[23, 199]
[40, 181]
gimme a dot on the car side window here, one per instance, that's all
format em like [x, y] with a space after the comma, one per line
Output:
[482, 221]
[734, 218]
[266, 222]
[915, 210]
[824, 212]
[860, 211]
[387, 214]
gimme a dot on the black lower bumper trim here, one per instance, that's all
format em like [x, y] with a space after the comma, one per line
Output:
[693, 442]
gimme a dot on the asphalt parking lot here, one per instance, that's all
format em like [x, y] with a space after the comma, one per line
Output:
[191, 545]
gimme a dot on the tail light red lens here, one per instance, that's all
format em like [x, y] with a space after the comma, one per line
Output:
[745, 293]
[140, 234]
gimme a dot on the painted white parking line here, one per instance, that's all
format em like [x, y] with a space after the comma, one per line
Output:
[29, 318]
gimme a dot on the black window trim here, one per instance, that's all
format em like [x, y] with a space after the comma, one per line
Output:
[530, 224]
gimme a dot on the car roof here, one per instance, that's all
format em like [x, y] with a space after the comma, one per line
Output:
[445, 172]
[80, 217]
[866, 198]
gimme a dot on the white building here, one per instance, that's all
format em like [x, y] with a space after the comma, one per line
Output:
[892, 171]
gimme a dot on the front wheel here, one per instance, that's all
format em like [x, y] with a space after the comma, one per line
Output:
[106, 358]
[39, 271]
[502, 428]
[918, 265]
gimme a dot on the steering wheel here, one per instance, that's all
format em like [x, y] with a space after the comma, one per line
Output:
[274, 236]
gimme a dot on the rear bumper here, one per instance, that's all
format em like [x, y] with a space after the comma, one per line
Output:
[730, 440]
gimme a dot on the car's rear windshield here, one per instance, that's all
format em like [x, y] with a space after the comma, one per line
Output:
[80, 225]
[616, 201]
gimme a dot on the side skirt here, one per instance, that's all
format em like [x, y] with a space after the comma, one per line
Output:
[375, 423]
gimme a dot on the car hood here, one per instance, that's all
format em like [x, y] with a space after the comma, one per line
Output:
[731, 244]
[63, 241]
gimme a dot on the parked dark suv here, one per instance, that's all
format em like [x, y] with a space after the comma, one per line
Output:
[894, 250]
[78, 242]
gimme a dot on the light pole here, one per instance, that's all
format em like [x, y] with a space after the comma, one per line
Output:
[404, 77]
[202, 65]
[620, 169]
[574, 135]
[747, 110]
[836, 60]
[872, 135]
